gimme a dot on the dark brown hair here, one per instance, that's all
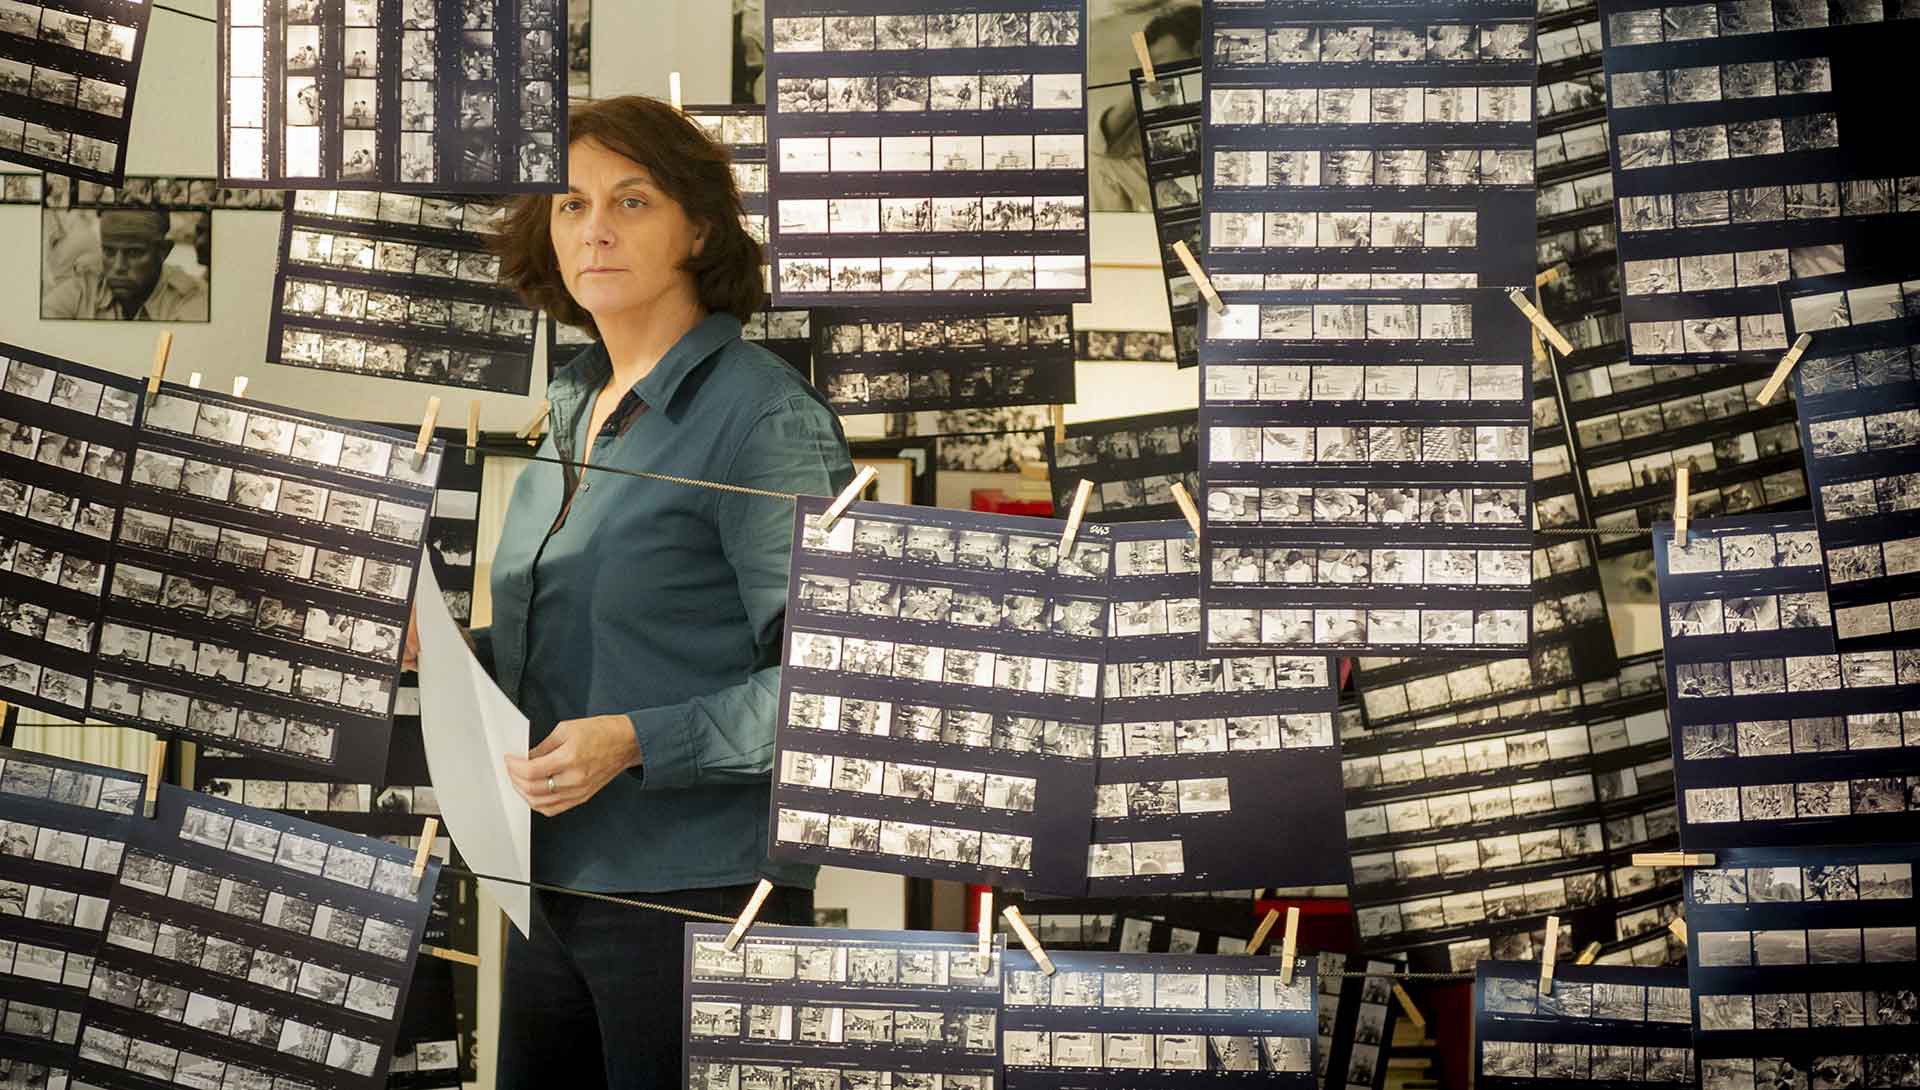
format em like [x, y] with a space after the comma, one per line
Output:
[685, 164]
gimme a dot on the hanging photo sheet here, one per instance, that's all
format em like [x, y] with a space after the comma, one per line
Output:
[1569, 608]
[1167, 111]
[941, 695]
[1466, 831]
[1100, 1019]
[245, 947]
[16, 188]
[63, 831]
[397, 286]
[1133, 461]
[66, 442]
[1369, 203]
[1191, 748]
[1575, 180]
[1626, 721]
[742, 130]
[1595, 1025]
[1122, 346]
[159, 232]
[261, 581]
[1741, 159]
[423, 96]
[1356, 1020]
[1778, 740]
[67, 78]
[800, 1006]
[1860, 427]
[927, 158]
[1649, 950]
[442, 1008]
[468, 727]
[1802, 966]
[881, 360]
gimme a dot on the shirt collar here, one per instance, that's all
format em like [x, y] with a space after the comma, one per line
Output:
[592, 368]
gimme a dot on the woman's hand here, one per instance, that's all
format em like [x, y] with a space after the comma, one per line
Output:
[574, 762]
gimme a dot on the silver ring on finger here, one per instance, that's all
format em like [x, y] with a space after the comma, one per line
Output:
[549, 785]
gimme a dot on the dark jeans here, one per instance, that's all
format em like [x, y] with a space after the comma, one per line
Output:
[591, 1001]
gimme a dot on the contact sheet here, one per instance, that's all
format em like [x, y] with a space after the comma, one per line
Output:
[1190, 746]
[1859, 423]
[816, 1007]
[426, 96]
[67, 434]
[1745, 152]
[68, 72]
[250, 949]
[1133, 461]
[63, 832]
[397, 286]
[1369, 201]
[940, 701]
[927, 157]
[1356, 1021]
[1169, 111]
[1802, 965]
[261, 581]
[876, 360]
[1778, 739]
[1598, 1025]
[1101, 1019]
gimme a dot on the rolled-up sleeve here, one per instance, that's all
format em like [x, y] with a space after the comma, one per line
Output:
[726, 737]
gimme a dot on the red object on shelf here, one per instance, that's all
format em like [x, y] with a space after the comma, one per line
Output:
[996, 501]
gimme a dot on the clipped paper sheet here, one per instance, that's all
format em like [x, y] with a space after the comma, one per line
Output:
[487, 817]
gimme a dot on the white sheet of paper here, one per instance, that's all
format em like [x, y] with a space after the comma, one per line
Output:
[470, 726]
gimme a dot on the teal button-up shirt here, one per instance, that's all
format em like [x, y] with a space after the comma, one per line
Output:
[663, 602]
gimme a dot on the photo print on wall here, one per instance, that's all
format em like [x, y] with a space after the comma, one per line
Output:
[68, 72]
[397, 286]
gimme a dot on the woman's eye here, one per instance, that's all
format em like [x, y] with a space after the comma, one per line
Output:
[634, 202]
[570, 206]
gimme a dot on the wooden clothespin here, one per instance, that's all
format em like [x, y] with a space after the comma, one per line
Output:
[428, 830]
[1199, 275]
[458, 956]
[1260, 933]
[239, 385]
[424, 439]
[156, 768]
[746, 915]
[1406, 1006]
[1682, 504]
[1591, 952]
[193, 380]
[673, 89]
[1059, 413]
[854, 490]
[1785, 368]
[1288, 943]
[1145, 56]
[162, 347]
[1678, 929]
[1025, 934]
[530, 431]
[1539, 346]
[1560, 344]
[473, 431]
[1549, 954]
[986, 930]
[1673, 859]
[1075, 512]
[1187, 508]
[1549, 275]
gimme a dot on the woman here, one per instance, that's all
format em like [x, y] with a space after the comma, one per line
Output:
[637, 622]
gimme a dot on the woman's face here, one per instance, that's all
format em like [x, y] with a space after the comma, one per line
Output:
[620, 241]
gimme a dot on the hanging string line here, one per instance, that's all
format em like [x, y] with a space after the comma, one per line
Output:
[188, 14]
[510, 450]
